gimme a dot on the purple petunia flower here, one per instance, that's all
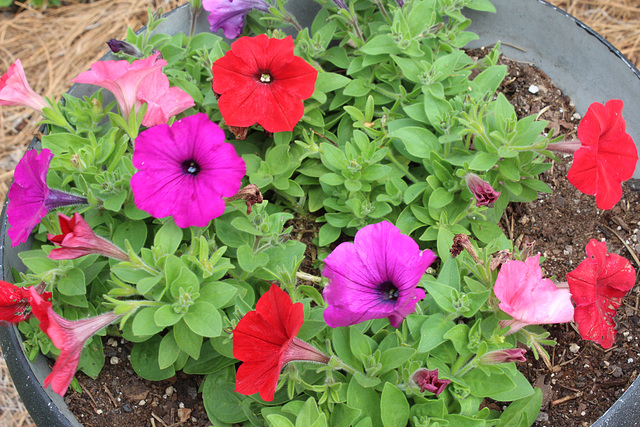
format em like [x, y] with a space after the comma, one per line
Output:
[185, 170]
[374, 277]
[229, 14]
[29, 197]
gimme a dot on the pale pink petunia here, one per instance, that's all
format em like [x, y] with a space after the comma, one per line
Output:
[528, 298]
[121, 78]
[163, 102]
[15, 90]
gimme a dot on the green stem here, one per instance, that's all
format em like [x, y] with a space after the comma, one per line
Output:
[308, 277]
[384, 12]
[401, 167]
[335, 362]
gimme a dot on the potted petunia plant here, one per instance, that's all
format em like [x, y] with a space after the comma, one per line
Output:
[166, 217]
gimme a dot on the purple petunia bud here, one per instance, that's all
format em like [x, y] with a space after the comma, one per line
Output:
[400, 3]
[341, 4]
[124, 47]
[483, 191]
[502, 356]
[428, 380]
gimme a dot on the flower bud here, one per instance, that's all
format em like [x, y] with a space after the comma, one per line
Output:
[502, 356]
[124, 47]
[483, 192]
[428, 380]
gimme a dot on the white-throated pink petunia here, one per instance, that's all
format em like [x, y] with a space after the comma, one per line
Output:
[15, 90]
[261, 81]
[229, 14]
[30, 198]
[185, 170]
[598, 286]
[69, 336]
[528, 298]
[374, 277]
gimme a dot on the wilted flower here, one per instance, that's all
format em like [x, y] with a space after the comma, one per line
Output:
[265, 341]
[68, 336]
[598, 286]
[30, 198]
[15, 90]
[502, 356]
[188, 174]
[78, 239]
[124, 47]
[528, 298]
[428, 380]
[250, 194]
[607, 156]
[261, 81]
[483, 191]
[14, 301]
[229, 14]
[374, 277]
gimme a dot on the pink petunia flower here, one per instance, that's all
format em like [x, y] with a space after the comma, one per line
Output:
[528, 298]
[229, 14]
[374, 277]
[607, 155]
[502, 356]
[428, 380]
[14, 301]
[15, 90]
[598, 286]
[265, 340]
[30, 198]
[121, 78]
[483, 191]
[185, 171]
[163, 101]
[261, 81]
[69, 336]
[78, 239]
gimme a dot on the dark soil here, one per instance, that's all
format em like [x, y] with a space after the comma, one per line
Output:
[582, 381]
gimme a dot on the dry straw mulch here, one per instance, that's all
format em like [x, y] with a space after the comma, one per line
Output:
[56, 44]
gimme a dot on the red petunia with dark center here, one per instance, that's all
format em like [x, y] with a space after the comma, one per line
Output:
[261, 81]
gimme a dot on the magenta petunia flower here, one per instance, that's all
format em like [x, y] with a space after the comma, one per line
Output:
[69, 336]
[121, 78]
[185, 170]
[163, 102]
[229, 14]
[29, 197]
[78, 239]
[483, 191]
[15, 90]
[528, 298]
[374, 277]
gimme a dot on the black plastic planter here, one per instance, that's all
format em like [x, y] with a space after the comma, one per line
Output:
[581, 63]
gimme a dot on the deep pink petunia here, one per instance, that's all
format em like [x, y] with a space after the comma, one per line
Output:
[428, 380]
[69, 336]
[121, 78]
[78, 239]
[528, 298]
[163, 102]
[265, 341]
[229, 14]
[30, 198]
[15, 90]
[374, 277]
[261, 81]
[14, 301]
[598, 286]
[185, 170]
[483, 191]
[607, 155]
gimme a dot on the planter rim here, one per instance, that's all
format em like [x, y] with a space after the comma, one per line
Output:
[48, 409]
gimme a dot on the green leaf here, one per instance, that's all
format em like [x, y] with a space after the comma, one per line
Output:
[328, 234]
[278, 159]
[144, 360]
[166, 316]
[168, 351]
[365, 399]
[204, 319]
[249, 261]
[394, 358]
[483, 161]
[419, 142]
[222, 402]
[394, 408]
[72, 282]
[144, 322]
[432, 331]
[168, 238]
[187, 340]
[380, 45]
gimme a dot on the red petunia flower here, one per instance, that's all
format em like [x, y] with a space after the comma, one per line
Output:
[68, 336]
[264, 341]
[261, 81]
[14, 301]
[78, 239]
[598, 285]
[607, 155]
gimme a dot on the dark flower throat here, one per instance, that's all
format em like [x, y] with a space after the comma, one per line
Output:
[388, 291]
[190, 167]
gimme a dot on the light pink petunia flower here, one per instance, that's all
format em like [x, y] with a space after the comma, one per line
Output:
[15, 90]
[163, 101]
[528, 298]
